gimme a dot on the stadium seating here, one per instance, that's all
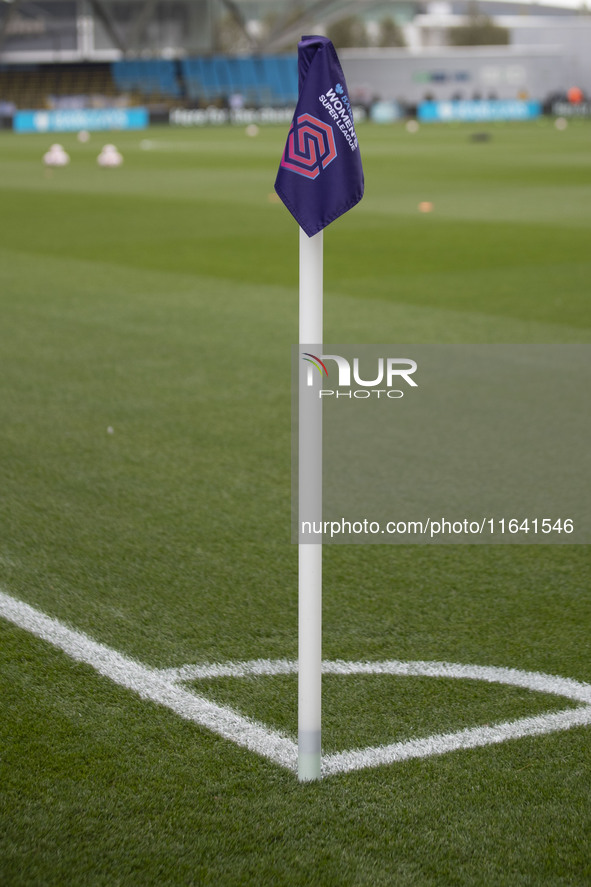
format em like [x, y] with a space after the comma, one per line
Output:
[41, 85]
[268, 80]
[258, 80]
[148, 77]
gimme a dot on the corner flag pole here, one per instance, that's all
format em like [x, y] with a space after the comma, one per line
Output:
[310, 504]
[320, 177]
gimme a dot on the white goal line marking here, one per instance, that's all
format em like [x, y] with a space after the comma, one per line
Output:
[150, 684]
[164, 686]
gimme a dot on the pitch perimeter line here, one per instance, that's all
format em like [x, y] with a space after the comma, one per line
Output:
[163, 687]
[439, 744]
[149, 684]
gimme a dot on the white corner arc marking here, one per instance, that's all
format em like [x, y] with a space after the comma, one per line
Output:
[164, 686]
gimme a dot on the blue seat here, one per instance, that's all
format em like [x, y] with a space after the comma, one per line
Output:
[262, 80]
[147, 76]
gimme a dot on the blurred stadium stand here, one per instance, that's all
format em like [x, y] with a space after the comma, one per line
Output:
[57, 85]
[269, 80]
[148, 77]
[253, 81]
[194, 53]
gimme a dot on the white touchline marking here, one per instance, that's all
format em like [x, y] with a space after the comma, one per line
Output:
[163, 686]
[150, 684]
[475, 737]
[252, 668]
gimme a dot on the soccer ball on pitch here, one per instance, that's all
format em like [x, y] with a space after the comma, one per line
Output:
[109, 156]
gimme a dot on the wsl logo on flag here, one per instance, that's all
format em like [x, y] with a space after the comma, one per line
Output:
[320, 174]
[310, 146]
[339, 107]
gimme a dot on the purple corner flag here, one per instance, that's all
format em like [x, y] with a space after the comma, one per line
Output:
[320, 175]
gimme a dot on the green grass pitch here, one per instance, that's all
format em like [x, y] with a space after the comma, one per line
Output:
[159, 300]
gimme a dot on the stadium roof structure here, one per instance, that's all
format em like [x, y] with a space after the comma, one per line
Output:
[71, 30]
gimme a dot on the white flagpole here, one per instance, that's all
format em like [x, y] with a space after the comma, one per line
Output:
[310, 503]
